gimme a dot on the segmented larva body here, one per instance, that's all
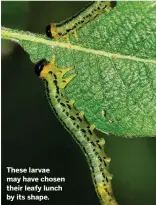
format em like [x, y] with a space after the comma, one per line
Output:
[63, 29]
[76, 124]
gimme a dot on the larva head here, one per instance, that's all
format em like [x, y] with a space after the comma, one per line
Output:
[48, 71]
[113, 3]
[52, 31]
[44, 69]
[48, 31]
[40, 65]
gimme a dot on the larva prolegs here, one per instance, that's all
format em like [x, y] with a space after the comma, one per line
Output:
[71, 102]
[101, 142]
[76, 124]
[92, 127]
[65, 81]
[81, 114]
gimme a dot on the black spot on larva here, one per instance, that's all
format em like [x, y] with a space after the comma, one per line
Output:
[108, 192]
[77, 126]
[55, 76]
[101, 169]
[57, 89]
[55, 82]
[96, 16]
[73, 118]
[40, 65]
[84, 131]
[69, 106]
[99, 147]
[89, 131]
[69, 30]
[103, 175]
[93, 144]
[62, 104]
[58, 100]
[106, 179]
[67, 113]
[50, 72]
[104, 7]
[113, 4]
[87, 21]
[100, 159]
[88, 139]
[60, 34]
[97, 141]
[79, 119]
[48, 31]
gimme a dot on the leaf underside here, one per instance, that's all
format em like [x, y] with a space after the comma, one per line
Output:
[116, 92]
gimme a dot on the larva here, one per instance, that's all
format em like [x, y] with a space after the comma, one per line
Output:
[76, 124]
[63, 29]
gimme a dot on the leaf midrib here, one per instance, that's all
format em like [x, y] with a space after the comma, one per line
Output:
[17, 36]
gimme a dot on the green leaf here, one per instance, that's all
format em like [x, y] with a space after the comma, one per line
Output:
[115, 62]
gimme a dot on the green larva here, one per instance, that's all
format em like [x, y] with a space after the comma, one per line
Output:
[76, 124]
[94, 10]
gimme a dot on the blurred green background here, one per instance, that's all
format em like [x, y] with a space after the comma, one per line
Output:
[32, 136]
